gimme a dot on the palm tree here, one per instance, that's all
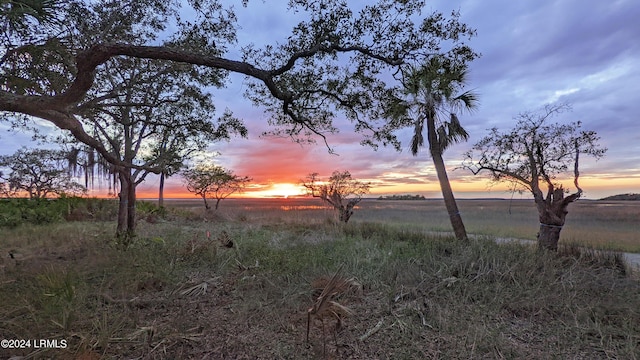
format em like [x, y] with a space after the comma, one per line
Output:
[433, 93]
[18, 16]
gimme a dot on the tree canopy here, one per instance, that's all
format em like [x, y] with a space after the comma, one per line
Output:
[212, 181]
[536, 153]
[340, 60]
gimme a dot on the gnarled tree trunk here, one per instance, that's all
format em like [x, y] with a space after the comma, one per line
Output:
[552, 213]
[347, 211]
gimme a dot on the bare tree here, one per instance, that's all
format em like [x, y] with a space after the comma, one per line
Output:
[212, 181]
[341, 191]
[535, 154]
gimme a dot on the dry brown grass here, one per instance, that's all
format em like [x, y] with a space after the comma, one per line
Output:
[178, 294]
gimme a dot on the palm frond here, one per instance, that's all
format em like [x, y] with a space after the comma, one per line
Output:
[443, 138]
[417, 140]
[468, 101]
[456, 132]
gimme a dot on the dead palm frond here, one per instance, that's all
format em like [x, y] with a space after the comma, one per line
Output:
[225, 239]
[326, 306]
[350, 287]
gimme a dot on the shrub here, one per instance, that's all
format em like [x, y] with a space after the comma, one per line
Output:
[16, 211]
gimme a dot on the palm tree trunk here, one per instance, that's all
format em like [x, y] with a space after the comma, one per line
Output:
[449, 198]
[445, 186]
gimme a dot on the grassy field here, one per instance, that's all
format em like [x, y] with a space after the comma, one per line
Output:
[404, 293]
[611, 225]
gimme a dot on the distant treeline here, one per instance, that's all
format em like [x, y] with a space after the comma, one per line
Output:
[402, 197]
[623, 197]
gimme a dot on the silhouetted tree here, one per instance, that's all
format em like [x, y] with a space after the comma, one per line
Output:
[535, 154]
[214, 182]
[341, 60]
[37, 172]
[335, 62]
[341, 191]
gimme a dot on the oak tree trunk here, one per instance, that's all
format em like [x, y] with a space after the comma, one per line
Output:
[548, 236]
[347, 211]
[345, 214]
[122, 206]
[126, 227]
[131, 210]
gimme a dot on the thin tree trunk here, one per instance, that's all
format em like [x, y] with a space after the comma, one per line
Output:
[161, 191]
[131, 211]
[206, 204]
[122, 205]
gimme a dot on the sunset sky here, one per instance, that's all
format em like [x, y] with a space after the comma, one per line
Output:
[533, 53]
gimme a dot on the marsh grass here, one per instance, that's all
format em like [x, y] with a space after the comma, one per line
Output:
[610, 225]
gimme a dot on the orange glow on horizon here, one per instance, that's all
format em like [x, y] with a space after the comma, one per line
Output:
[274, 190]
[277, 190]
[468, 187]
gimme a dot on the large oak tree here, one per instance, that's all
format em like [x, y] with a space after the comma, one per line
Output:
[153, 115]
[342, 60]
